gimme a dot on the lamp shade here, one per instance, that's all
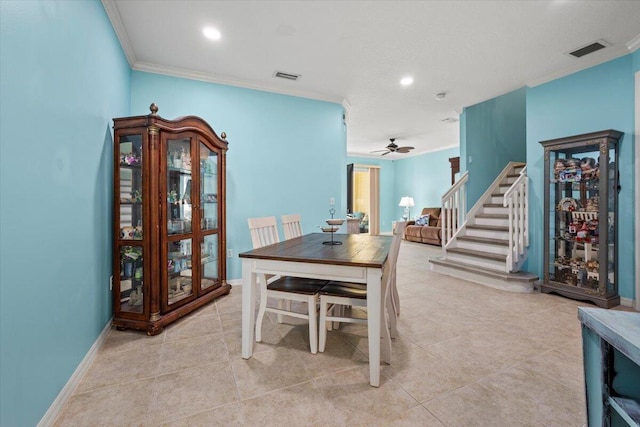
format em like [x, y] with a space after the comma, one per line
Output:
[407, 202]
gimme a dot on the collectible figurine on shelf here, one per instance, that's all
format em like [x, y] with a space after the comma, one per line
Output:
[571, 171]
[589, 168]
[558, 167]
[581, 235]
[593, 265]
[593, 204]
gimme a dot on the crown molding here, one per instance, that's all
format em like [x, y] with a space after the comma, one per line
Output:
[116, 22]
[615, 53]
[347, 110]
[634, 43]
[230, 81]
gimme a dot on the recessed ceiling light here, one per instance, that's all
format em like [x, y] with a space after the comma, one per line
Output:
[440, 96]
[406, 81]
[211, 33]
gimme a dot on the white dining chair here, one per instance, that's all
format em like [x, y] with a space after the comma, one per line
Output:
[337, 295]
[287, 288]
[291, 226]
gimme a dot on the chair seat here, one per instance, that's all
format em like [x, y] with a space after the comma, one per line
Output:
[299, 285]
[345, 289]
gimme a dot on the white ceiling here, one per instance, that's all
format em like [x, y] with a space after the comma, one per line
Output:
[356, 52]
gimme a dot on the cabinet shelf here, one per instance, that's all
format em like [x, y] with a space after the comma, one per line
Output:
[128, 166]
[628, 409]
[181, 171]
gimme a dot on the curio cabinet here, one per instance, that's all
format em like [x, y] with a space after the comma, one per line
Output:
[169, 219]
[580, 217]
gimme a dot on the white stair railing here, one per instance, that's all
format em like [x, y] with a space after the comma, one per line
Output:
[454, 210]
[516, 200]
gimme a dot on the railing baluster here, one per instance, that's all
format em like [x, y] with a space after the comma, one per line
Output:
[515, 199]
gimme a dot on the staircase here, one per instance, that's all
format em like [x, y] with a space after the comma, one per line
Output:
[488, 244]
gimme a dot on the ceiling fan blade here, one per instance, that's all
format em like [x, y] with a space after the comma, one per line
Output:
[404, 149]
[378, 151]
[384, 154]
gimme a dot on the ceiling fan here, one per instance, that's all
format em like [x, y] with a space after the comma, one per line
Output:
[393, 148]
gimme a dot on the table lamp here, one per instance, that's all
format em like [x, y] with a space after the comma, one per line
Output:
[406, 202]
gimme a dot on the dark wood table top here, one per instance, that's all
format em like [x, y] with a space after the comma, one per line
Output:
[361, 250]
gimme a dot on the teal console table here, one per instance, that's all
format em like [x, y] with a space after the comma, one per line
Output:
[611, 350]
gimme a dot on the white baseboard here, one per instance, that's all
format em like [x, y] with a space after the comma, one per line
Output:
[235, 282]
[627, 302]
[54, 410]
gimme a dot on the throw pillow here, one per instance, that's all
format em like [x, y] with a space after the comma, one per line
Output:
[422, 220]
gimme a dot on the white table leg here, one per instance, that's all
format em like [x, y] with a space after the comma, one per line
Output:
[249, 284]
[374, 309]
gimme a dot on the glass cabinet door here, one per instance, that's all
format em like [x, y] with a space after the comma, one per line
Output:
[209, 261]
[574, 223]
[130, 224]
[131, 279]
[130, 189]
[610, 222]
[179, 220]
[209, 252]
[179, 211]
[180, 268]
[208, 188]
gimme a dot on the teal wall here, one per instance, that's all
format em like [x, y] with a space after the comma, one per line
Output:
[598, 98]
[494, 134]
[387, 188]
[286, 154]
[425, 178]
[63, 76]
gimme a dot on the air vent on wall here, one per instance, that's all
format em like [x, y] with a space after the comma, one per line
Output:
[590, 48]
[287, 76]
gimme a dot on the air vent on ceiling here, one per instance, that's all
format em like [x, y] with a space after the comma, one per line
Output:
[450, 120]
[590, 48]
[287, 76]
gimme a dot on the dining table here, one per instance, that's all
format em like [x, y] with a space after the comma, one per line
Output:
[356, 258]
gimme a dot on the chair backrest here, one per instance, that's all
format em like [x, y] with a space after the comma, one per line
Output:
[394, 250]
[291, 226]
[264, 231]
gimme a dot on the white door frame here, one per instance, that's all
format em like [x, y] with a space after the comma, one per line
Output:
[637, 191]
[374, 217]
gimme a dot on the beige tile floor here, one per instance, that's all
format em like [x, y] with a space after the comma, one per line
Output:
[467, 355]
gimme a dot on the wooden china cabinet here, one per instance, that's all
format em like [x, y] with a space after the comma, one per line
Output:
[169, 219]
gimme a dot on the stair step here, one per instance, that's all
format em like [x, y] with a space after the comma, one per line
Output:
[486, 240]
[493, 205]
[478, 254]
[494, 216]
[515, 175]
[488, 227]
[514, 282]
